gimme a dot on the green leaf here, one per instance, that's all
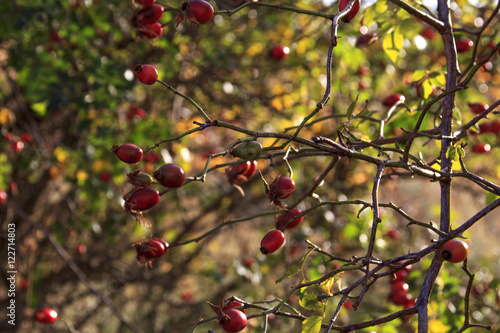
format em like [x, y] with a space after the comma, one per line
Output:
[309, 301]
[426, 89]
[374, 12]
[294, 269]
[418, 75]
[290, 271]
[438, 79]
[393, 43]
[311, 324]
[452, 153]
[351, 108]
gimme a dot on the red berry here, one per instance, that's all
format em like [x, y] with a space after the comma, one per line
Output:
[26, 138]
[18, 146]
[427, 32]
[81, 249]
[280, 51]
[154, 30]
[455, 250]
[282, 219]
[153, 157]
[150, 250]
[478, 108]
[142, 199]
[252, 168]
[390, 100]
[272, 241]
[45, 316]
[9, 136]
[484, 128]
[363, 70]
[366, 39]
[349, 305]
[187, 296]
[495, 126]
[3, 197]
[128, 153]
[146, 74]
[196, 11]
[105, 176]
[400, 298]
[352, 13]
[481, 148]
[283, 187]
[393, 234]
[149, 15]
[170, 175]
[464, 45]
[233, 320]
[399, 286]
[147, 3]
[25, 283]
[248, 262]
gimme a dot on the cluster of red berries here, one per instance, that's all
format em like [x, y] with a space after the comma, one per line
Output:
[399, 293]
[146, 19]
[278, 189]
[143, 197]
[17, 143]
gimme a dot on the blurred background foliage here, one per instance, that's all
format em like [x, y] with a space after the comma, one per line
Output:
[68, 93]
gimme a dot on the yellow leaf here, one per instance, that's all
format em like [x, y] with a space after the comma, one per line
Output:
[436, 326]
[81, 175]
[276, 103]
[61, 154]
[7, 117]
[393, 43]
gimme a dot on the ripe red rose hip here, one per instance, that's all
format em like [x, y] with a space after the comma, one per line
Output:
[280, 51]
[142, 199]
[478, 108]
[400, 298]
[252, 168]
[352, 13]
[45, 316]
[272, 241]
[390, 100]
[128, 153]
[170, 175]
[146, 74]
[283, 218]
[149, 14]
[464, 45]
[150, 250]
[481, 148]
[152, 31]
[233, 320]
[455, 250]
[196, 11]
[283, 187]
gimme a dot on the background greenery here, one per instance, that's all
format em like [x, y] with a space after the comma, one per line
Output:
[66, 79]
